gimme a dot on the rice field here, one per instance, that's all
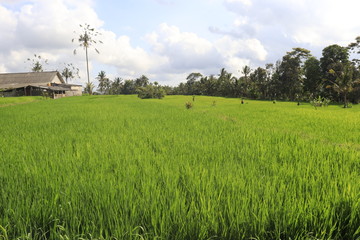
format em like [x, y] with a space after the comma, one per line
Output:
[4, 102]
[118, 167]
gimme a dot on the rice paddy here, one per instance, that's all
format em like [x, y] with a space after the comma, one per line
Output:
[118, 167]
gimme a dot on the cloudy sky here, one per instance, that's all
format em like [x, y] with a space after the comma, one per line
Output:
[168, 39]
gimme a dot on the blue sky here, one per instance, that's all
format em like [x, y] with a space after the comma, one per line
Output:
[168, 39]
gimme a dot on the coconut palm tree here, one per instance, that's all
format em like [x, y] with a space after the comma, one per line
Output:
[69, 72]
[104, 82]
[87, 38]
[37, 63]
[344, 82]
[89, 87]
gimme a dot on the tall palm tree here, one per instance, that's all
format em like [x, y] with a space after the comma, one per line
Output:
[116, 86]
[344, 82]
[86, 39]
[103, 82]
[246, 70]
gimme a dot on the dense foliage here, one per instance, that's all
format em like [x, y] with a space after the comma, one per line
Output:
[151, 91]
[298, 76]
[117, 167]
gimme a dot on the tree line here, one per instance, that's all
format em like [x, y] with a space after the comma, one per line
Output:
[141, 86]
[298, 76]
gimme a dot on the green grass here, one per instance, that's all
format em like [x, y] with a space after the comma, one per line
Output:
[118, 167]
[9, 101]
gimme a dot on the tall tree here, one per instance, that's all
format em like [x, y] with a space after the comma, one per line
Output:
[86, 39]
[355, 47]
[260, 83]
[116, 86]
[225, 84]
[246, 70]
[272, 71]
[191, 83]
[291, 72]
[129, 87]
[244, 84]
[333, 57]
[104, 82]
[313, 76]
[344, 81]
[142, 81]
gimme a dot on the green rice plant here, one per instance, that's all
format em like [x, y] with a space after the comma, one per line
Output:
[118, 167]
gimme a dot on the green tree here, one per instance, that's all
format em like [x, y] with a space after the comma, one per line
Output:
[37, 63]
[333, 57]
[225, 84]
[355, 48]
[86, 39]
[116, 86]
[104, 83]
[273, 82]
[69, 72]
[192, 83]
[151, 91]
[209, 85]
[344, 81]
[141, 81]
[243, 85]
[313, 76]
[291, 73]
[89, 87]
[260, 83]
[246, 70]
[129, 87]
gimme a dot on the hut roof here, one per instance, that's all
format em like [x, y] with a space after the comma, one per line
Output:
[17, 80]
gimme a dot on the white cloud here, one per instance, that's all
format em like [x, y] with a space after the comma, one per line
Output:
[238, 3]
[184, 51]
[188, 52]
[129, 60]
[316, 23]
[246, 49]
[7, 26]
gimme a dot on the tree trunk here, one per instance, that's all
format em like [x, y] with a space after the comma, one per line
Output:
[87, 69]
[345, 101]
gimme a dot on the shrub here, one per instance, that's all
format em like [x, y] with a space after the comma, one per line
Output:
[151, 91]
[188, 105]
[320, 102]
